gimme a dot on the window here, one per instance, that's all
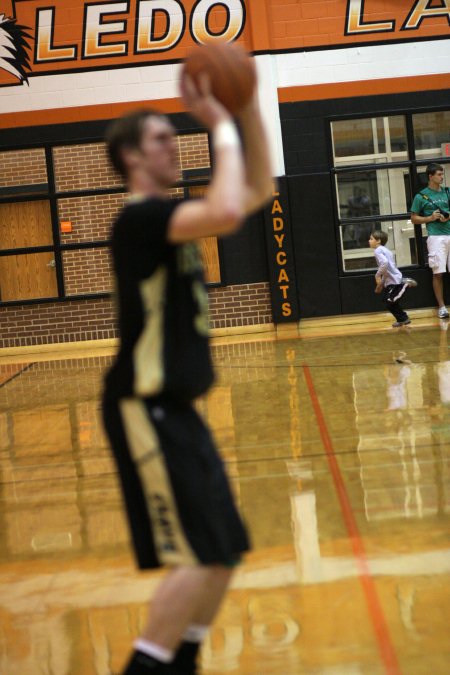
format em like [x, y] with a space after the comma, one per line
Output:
[57, 205]
[431, 132]
[377, 170]
[375, 140]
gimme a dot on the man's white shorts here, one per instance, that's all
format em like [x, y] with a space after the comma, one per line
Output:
[439, 252]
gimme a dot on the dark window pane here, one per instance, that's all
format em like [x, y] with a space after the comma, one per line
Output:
[374, 192]
[369, 141]
[357, 254]
[431, 131]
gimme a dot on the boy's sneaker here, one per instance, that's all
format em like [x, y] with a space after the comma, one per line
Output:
[411, 283]
[397, 324]
[442, 313]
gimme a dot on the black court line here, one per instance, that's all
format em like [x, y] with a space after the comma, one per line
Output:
[13, 377]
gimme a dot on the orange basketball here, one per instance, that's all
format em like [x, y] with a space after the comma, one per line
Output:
[231, 70]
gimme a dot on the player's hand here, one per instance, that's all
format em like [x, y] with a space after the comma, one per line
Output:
[201, 102]
[378, 288]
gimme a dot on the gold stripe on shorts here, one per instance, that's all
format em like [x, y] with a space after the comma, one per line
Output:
[171, 544]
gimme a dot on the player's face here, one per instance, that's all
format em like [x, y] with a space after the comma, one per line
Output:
[158, 150]
[372, 242]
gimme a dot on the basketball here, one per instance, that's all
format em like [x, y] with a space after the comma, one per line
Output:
[231, 71]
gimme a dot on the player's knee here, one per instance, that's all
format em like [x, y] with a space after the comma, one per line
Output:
[220, 572]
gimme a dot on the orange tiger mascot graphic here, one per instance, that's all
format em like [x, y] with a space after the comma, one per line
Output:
[14, 56]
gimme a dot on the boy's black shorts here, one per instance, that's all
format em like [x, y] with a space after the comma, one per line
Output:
[178, 500]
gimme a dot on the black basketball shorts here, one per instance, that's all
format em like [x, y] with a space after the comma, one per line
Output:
[177, 496]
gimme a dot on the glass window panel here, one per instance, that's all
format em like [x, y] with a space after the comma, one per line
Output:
[431, 131]
[25, 224]
[27, 276]
[83, 167]
[91, 218]
[369, 140]
[401, 241]
[373, 192]
[23, 172]
[87, 271]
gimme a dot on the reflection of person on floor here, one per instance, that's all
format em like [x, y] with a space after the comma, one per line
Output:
[179, 504]
[396, 379]
[388, 278]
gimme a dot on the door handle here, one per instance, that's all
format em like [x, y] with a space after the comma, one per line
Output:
[52, 263]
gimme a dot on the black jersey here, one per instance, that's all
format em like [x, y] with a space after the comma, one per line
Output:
[162, 308]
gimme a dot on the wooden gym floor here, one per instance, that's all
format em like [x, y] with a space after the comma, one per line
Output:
[338, 445]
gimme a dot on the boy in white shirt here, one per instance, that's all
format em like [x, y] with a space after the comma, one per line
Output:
[389, 280]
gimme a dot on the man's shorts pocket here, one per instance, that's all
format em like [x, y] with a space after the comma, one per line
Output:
[433, 261]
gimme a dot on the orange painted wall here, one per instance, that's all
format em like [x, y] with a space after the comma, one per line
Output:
[270, 26]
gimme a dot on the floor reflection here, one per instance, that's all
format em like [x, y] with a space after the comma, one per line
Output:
[339, 451]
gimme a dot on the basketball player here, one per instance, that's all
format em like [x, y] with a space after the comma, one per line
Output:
[180, 509]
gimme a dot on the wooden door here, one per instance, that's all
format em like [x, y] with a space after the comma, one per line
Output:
[28, 275]
[208, 245]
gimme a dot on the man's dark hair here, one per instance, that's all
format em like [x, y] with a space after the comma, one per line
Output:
[381, 236]
[126, 132]
[432, 168]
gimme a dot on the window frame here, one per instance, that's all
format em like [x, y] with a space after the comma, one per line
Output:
[412, 165]
[190, 178]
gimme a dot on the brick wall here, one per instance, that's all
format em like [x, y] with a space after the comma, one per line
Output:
[91, 217]
[88, 270]
[194, 151]
[51, 323]
[23, 167]
[83, 167]
[243, 305]
[80, 320]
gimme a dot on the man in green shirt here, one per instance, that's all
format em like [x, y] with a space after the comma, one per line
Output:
[432, 207]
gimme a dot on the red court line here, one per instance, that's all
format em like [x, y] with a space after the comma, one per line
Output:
[381, 629]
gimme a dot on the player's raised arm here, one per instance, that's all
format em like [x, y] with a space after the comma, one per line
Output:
[222, 210]
[258, 177]
[219, 81]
